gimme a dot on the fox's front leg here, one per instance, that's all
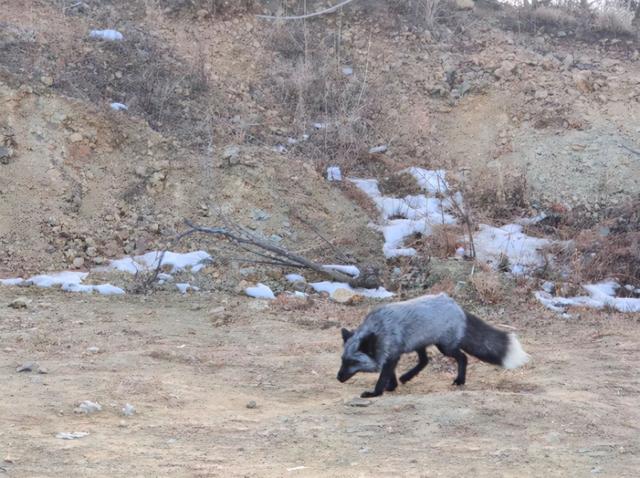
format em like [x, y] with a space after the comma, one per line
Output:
[388, 371]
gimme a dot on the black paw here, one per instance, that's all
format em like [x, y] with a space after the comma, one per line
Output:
[391, 387]
[458, 382]
[405, 378]
[369, 394]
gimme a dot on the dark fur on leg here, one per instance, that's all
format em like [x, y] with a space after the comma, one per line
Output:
[388, 370]
[393, 383]
[423, 360]
[461, 359]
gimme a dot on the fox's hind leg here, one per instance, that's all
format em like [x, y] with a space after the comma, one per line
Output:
[423, 360]
[388, 371]
[461, 358]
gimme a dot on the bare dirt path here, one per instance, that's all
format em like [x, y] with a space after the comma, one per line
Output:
[190, 368]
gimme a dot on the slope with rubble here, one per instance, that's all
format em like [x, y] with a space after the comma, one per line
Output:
[227, 119]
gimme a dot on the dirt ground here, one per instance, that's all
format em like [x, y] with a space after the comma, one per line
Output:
[191, 365]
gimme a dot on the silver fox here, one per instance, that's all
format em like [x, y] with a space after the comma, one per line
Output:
[403, 327]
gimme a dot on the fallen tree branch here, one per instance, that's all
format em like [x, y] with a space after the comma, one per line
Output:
[277, 255]
[308, 15]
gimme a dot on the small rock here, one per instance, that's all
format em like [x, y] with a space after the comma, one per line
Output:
[378, 149]
[78, 262]
[46, 80]
[583, 82]
[346, 296]
[252, 404]
[87, 407]
[568, 61]
[128, 410]
[141, 170]
[75, 137]
[549, 287]
[19, 303]
[541, 94]
[5, 154]
[230, 152]
[92, 251]
[507, 69]
[260, 215]
[358, 402]
[28, 367]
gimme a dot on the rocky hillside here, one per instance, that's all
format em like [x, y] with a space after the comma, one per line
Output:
[232, 116]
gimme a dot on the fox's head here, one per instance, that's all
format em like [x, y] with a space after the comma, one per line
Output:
[358, 355]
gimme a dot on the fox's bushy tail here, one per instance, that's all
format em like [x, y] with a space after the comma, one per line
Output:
[492, 345]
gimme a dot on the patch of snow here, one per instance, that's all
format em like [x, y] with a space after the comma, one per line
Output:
[71, 435]
[118, 106]
[353, 271]
[527, 221]
[67, 278]
[522, 251]
[108, 289]
[413, 214]
[334, 173]
[331, 287]
[320, 125]
[107, 35]
[601, 295]
[347, 71]
[14, 281]
[185, 287]
[432, 181]
[295, 278]
[126, 264]
[194, 261]
[368, 186]
[69, 281]
[260, 291]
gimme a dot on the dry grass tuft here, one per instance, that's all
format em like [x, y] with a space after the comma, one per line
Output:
[444, 240]
[488, 287]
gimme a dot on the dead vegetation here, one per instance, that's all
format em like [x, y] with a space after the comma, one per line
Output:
[497, 193]
[612, 247]
[488, 287]
[203, 9]
[568, 18]
[173, 96]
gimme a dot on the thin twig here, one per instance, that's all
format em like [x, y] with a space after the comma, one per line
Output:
[308, 15]
[634, 151]
[337, 251]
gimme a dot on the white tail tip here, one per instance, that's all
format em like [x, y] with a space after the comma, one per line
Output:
[515, 357]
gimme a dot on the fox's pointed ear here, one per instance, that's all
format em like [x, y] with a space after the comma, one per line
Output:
[346, 334]
[369, 344]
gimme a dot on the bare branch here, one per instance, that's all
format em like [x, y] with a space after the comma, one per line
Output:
[279, 255]
[308, 15]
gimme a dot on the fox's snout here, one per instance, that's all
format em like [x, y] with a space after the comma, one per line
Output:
[343, 376]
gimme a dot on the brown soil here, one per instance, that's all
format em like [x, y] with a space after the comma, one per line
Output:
[191, 365]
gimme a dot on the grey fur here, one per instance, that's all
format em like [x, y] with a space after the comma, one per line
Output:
[403, 327]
